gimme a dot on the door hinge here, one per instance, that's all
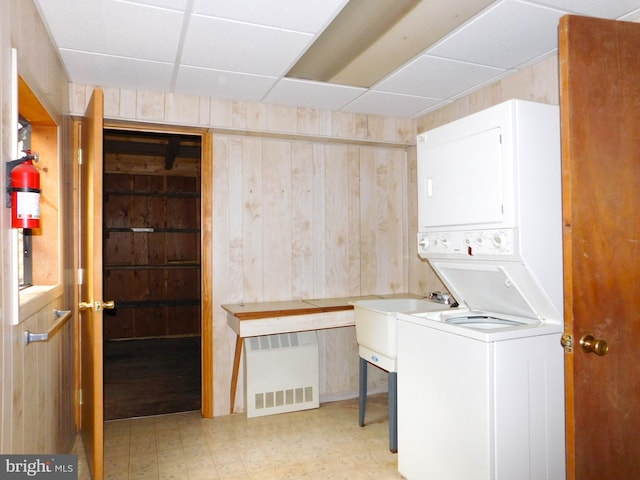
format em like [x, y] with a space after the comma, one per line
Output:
[567, 342]
[79, 156]
[81, 276]
[79, 396]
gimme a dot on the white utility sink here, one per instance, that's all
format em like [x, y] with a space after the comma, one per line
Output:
[376, 326]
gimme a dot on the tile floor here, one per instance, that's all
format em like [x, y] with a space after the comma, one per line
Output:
[319, 444]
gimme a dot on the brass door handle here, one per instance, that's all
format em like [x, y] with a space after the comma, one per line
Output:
[591, 345]
[85, 305]
[108, 305]
[97, 306]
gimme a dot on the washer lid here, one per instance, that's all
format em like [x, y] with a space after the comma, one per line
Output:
[485, 322]
[500, 288]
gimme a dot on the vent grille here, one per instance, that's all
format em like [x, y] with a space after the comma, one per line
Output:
[268, 342]
[281, 373]
[281, 398]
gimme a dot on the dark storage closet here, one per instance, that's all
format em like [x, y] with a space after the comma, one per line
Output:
[151, 265]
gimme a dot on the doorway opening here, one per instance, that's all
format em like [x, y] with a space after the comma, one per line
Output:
[152, 268]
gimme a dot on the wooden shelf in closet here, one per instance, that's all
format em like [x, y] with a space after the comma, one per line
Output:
[187, 302]
[163, 266]
[152, 251]
[141, 193]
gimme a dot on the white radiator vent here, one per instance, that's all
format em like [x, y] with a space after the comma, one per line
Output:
[281, 373]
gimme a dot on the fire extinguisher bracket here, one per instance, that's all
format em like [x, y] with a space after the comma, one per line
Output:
[10, 166]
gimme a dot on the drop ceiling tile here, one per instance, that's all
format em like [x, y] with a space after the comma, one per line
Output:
[435, 77]
[389, 104]
[304, 93]
[594, 8]
[111, 71]
[309, 16]
[505, 36]
[241, 47]
[170, 4]
[222, 84]
[114, 28]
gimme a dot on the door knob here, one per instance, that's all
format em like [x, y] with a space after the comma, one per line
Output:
[85, 305]
[591, 345]
[97, 306]
[108, 305]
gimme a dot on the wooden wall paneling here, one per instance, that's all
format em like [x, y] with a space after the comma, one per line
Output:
[118, 247]
[338, 215]
[307, 121]
[46, 239]
[181, 248]
[118, 282]
[147, 195]
[392, 228]
[126, 163]
[368, 222]
[383, 237]
[302, 224]
[282, 118]
[342, 364]
[183, 283]
[277, 203]
[119, 323]
[149, 322]
[117, 211]
[354, 199]
[155, 246]
[226, 265]
[43, 406]
[246, 188]
[383, 128]
[189, 320]
[319, 221]
[140, 249]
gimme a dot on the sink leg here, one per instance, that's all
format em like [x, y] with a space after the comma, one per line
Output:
[393, 412]
[362, 399]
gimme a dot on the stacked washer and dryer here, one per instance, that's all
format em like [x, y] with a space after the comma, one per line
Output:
[481, 387]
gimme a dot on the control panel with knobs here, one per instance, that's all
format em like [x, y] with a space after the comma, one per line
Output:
[500, 242]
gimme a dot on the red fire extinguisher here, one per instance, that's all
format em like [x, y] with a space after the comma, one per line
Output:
[25, 194]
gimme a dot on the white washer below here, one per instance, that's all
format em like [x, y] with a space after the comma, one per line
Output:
[479, 398]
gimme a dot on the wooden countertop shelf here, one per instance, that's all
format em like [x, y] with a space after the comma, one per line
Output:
[268, 318]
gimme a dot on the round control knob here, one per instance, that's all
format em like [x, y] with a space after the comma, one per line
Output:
[423, 243]
[479, 240]
[500, 240]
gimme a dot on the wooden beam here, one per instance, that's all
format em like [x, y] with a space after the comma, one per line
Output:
[173, 148]
[149, 149]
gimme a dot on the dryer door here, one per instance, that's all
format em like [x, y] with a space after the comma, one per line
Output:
[461, 182]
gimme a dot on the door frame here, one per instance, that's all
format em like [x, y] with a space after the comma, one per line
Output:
[206, 245]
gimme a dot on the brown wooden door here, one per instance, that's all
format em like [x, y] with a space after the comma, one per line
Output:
[600, 113]
[91, 421]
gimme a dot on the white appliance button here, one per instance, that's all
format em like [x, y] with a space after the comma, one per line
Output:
[500, 240]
